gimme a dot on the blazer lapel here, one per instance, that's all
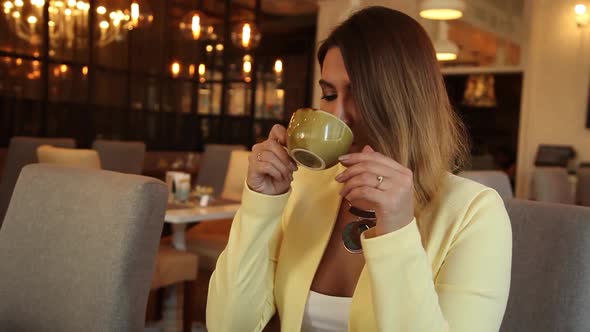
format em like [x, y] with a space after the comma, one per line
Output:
[316, 205]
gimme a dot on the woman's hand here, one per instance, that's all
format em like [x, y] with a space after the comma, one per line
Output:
[270, 168]
[379, 183]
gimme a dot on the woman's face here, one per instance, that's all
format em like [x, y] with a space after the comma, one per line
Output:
[337, 97]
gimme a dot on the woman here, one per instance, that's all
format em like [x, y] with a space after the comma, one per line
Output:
[438, 257]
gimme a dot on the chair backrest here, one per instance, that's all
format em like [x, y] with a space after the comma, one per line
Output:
[213, 165]
[77, 250]
[21, 152]
[583, 188]
[83, 158]
[552, 185]
[235, 177]
[496, 180]
[550, 268]
[121, 156]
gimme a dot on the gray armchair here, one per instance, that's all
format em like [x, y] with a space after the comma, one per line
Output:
[214, 164]
[21, 152]
[496, 180]
[77, 250]
[583, 190]
[552, 185]
[550, 268]
[121, 156]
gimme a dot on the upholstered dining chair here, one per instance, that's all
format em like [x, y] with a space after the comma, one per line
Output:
[21, 152]
[552, 185]
[77, 250]
[82, 158]
[496, 180]
[550, 268]
[121, 156]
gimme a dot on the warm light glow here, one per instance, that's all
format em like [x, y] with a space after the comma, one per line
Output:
[104, 25]
[441, 14]
[19, 3]
[247, 57]
[582, 16]
[51, 24]
[19, 61]
[278, 66]
[280, 94]
[175, 68]
[63, 68]
[101, 10]
[68, 12]
[8, 5]
[16, 15]
[135, 12]
[56, 72]
[247, 67]
[446, 56]
[247, 79]
[59, 4]
[71, 3]
[32, 19]
[85, 70]
[442, 9]
[38, 3]
[80, 5]
[209, 48]
[246, 35]
[196, 26]
[202, 69]
[219, 47]
[35, 64]
[36, 54]
[191, 69]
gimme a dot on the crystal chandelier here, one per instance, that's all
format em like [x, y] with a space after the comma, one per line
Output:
[68, 21]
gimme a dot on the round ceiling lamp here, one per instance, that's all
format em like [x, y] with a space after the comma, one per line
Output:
[445, 49]
[442, 9]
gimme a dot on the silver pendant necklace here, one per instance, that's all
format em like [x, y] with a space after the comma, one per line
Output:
[351, 234]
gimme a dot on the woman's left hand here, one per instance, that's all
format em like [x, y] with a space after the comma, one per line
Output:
[382, 184]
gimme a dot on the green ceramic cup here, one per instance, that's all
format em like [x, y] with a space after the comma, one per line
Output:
[315, 139]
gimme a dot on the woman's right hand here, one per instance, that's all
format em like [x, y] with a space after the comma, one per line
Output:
[270, 168]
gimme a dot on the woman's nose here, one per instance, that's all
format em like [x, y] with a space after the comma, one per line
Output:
[338, 110]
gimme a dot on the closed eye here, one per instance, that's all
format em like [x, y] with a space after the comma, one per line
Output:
[329, 97]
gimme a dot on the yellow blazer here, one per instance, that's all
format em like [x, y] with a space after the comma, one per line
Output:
[448, 271]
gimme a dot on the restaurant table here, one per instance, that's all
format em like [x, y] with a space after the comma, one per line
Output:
[179, 215]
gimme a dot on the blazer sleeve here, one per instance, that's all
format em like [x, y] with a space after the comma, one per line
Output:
[241, 290]
[469, 292]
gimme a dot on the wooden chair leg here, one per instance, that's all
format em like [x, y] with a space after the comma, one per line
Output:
[190, 298]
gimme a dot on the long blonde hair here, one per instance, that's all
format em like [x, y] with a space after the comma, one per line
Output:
[400, 95]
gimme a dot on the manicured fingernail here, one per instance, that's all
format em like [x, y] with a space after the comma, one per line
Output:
[343, 157]
[339, 177]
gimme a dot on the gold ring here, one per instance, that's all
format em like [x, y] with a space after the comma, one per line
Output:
[379, 180]
[258, 156]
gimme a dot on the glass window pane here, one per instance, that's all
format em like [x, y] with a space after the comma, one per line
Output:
[68, 30]
[178, 96]
[21, 27]
[68, 83]
[20, 78]
[110, 89]
[145, 93]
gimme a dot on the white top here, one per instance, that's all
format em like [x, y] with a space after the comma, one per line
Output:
[324, 313]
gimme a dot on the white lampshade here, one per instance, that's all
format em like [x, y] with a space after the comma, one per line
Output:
[442, 9]
[446, 50]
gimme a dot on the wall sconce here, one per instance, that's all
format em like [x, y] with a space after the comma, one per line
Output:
[582, 17]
